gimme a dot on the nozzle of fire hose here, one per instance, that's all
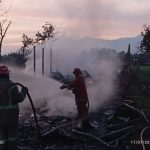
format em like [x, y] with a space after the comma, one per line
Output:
[64, 86]
[24, 90]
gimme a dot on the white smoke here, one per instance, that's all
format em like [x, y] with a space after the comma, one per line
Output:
[102, 65]
[44, 92]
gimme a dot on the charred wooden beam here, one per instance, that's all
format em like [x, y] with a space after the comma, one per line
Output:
[116, 134]
[123, 124]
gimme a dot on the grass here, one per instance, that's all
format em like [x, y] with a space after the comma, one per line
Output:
[141, 88]
[145, 68]
[145, 71]
[144, 101]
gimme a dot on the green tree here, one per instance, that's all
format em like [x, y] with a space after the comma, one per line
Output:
[145, 42]
[46, 34]
[26, 43]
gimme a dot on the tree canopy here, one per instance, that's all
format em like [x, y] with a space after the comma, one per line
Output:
[48, 32]
[145, 42]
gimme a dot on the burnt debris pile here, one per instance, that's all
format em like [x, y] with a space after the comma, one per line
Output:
[130, 124]
[59, 133]
[119, 125]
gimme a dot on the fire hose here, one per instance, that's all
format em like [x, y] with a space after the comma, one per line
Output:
[49, 132]
[32, 105]
[34, 111]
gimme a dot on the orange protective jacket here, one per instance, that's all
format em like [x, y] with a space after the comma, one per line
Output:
[79, 89]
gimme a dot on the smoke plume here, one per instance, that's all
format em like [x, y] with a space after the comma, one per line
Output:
[102, 65]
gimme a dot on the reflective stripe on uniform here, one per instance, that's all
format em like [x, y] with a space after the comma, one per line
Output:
[13, 139]
[9, 107]
[2, 142]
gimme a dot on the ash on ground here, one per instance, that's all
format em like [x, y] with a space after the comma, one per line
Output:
[117, 125]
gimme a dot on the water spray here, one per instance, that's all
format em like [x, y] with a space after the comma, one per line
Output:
[34, 112]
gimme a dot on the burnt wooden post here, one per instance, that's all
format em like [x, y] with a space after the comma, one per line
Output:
[51, 61]
[42, 61]
[34, 59]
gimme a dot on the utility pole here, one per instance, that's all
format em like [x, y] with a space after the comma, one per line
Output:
[42, 61]
[57, 67]
[51, 61]
[34, 59]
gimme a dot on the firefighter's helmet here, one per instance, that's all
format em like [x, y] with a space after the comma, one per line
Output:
[77, 71]
[4, 70]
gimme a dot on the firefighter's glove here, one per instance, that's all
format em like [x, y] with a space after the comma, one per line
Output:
[62, 87]
[24, 90]
[73, 91]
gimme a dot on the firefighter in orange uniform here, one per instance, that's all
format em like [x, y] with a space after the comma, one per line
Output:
[81, 97]
[9, 110]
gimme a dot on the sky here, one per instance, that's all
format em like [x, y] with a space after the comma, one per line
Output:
[103, 19]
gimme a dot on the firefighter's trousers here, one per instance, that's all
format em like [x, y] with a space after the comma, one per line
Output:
[8, 137]
[82, 109]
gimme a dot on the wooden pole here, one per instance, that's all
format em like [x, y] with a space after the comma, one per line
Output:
[42, 61]
[51, 61]
[34, 59]
[57, 69]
